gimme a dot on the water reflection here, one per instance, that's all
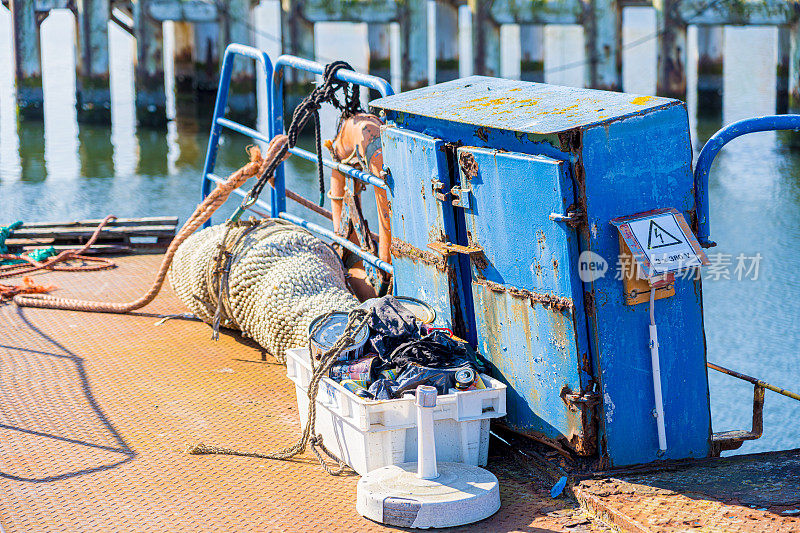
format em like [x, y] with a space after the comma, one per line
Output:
[56, 170]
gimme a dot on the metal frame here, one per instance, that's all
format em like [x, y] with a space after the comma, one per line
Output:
[713, 147]
[277, 125]
[219, 121]
[274, 108]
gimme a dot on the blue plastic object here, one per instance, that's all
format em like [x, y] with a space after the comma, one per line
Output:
[558, 488]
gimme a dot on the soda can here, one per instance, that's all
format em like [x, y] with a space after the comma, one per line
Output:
[464, 378]
[359, 370]
[390, 373]
[352, 386]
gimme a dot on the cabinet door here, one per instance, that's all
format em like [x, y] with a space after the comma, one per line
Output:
[528, 298]
[418, 169]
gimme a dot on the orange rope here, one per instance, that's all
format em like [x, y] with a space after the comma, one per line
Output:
[52, 263]
[211, 203]
[27, 287]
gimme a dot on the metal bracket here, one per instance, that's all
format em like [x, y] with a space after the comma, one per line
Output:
[576, 400]
[572, 218]
[733, 440]
[448, 248]
[461, 196]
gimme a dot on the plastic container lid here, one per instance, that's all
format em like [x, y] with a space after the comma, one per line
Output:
[327, 332]
[424, 312]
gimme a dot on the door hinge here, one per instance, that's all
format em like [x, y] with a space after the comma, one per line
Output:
[576, 400]
[448, 248]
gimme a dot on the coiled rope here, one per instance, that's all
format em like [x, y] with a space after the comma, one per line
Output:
[357, 319]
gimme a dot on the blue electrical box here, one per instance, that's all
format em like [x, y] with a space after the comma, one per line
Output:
[500, 191]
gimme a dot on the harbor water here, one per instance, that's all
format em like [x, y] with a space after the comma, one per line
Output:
[58, 170]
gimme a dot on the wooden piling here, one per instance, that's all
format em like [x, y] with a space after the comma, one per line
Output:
[27, 59]
[413, 15]
[532, 51]
[794, 68]
[151, 98]
[446, 41]
[603, 44]
[782, 78]
[236, 28]
[710, 41]
[671, 62]
[485, 39]
[298, 40]
[92, 89]
[378, 37]
[183, 59]
[206, 56]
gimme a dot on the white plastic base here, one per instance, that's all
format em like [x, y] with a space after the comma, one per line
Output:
[395, 496]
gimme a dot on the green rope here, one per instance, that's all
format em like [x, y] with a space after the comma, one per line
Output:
[39, 254]
[5, 233]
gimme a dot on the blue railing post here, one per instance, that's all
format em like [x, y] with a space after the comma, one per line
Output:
[713, 147]
[275, 125]
[218, 121]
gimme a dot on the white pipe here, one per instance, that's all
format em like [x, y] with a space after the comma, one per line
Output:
[654, 359]
[426, 444]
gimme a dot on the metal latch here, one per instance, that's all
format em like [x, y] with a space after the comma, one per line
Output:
[461, 196]
[437, 187]
[572, 218]
[576, 400]
[448, 248]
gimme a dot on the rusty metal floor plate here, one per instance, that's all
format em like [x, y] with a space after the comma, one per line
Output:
[759, 492]
[96, 412]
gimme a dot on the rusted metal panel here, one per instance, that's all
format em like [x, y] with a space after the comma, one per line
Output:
[521, 107]
[671, 61]
[528, 322]
[416, 163]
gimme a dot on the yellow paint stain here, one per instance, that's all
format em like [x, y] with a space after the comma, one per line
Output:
[641, 100]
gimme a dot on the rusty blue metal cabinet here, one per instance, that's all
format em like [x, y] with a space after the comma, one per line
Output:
[539, 171]
[420, 172]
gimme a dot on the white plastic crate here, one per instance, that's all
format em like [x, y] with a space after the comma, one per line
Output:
[369, 434]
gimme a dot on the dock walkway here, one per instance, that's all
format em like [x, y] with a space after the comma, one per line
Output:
[96, 411]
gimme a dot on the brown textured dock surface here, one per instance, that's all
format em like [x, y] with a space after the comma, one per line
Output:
[759, 492]
[96, 411]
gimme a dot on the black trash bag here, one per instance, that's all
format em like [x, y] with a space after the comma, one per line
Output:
[381, 389]
[390, 325]
[436, 349]
[415, 375]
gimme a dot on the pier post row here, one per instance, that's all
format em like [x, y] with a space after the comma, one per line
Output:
[426, 44]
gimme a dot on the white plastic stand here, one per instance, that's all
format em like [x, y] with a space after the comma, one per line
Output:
[426, 494]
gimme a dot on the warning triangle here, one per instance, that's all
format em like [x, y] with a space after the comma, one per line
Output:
[659, 237]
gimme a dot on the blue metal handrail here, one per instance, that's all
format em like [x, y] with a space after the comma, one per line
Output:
[278, 202]
[712, 148]
[219, 121]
